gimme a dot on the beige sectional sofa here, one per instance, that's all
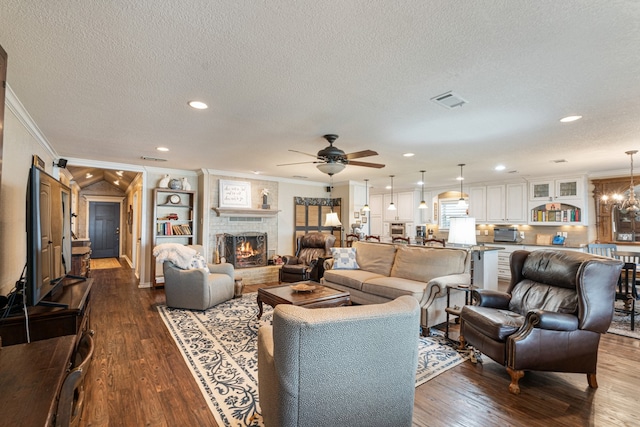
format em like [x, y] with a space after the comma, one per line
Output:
[387, 271]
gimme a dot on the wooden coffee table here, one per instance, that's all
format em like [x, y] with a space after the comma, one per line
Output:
[322, 296]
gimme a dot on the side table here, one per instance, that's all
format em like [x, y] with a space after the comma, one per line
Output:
[455, 311]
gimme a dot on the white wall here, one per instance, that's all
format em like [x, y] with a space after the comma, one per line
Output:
[19, 146]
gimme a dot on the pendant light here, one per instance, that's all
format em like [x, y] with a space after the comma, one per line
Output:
[461, 201]
[423, 204]
[392, 206]
[366, 208]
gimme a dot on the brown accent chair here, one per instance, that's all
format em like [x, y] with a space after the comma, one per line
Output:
[307, 264]
[551, 317]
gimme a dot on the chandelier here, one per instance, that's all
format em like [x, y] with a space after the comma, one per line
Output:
[629, 205]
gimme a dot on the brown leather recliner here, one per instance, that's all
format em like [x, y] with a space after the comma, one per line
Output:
[551, 317]
[305, 265]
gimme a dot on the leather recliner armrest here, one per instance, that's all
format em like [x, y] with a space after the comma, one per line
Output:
[493, 299]
[290, 259]
[552, 321]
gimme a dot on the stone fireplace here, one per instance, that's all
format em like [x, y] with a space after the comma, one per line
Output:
[246, 250]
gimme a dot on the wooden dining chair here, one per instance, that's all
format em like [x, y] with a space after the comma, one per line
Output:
[627, 291]
[401, 240]
[71, 401]
[350, 238]
[435, 242]
[370, 238]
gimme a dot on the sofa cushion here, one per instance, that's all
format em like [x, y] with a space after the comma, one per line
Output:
[424, 264]
[393, 287]
[375, 257]
[344, 258]
[350, 278]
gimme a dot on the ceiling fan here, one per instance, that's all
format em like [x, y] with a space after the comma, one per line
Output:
[331, 159]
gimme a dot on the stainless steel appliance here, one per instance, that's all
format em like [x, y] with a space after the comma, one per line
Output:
[505, 234]
[397, 229]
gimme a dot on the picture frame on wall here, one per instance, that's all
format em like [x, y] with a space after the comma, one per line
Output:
[235, 194]
[356, 215]
[364, 219]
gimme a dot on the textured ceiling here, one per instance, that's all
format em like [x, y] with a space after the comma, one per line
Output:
[110, 81]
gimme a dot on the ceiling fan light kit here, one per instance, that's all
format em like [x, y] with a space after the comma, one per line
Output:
[332, 160]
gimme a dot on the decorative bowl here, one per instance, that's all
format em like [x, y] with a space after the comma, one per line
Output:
[303, 287]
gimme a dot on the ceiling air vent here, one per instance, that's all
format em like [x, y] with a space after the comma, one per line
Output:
[449, 100]
[155, 159]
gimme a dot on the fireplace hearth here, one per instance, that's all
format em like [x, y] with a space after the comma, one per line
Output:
[246, 250]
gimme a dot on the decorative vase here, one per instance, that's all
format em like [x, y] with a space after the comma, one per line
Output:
[175, 184]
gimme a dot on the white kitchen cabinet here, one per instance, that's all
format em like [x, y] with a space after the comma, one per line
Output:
[507, 203]
[375, 214]
[404, 204]
[557, 189]
[478, 203]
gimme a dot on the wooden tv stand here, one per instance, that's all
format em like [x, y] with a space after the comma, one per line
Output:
[49, 322]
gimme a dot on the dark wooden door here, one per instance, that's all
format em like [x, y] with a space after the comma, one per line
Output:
[104, 229]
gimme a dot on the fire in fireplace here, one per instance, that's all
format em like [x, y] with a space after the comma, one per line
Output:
[246, 249]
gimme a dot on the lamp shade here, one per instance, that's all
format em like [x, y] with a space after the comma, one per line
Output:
[331, 168]
[462, 231]
[332, 220]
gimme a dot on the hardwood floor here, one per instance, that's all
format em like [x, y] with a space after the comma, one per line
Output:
[138, 377]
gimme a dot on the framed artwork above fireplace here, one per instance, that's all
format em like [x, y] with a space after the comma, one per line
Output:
[235, 194]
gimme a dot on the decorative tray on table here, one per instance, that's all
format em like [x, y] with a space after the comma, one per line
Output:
[303, 287]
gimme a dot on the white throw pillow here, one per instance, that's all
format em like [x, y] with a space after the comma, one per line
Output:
[344, 259]
[198, 261]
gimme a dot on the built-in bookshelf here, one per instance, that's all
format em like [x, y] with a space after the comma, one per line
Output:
[556, 213]
[173, 222]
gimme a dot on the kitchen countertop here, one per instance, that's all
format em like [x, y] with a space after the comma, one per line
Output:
[580, 246]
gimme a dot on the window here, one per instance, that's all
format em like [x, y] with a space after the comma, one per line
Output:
[449, 208]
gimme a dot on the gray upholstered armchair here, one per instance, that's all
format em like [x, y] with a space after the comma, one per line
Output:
[551, 317]
[307, 264]
[344, 366]
[198, 289]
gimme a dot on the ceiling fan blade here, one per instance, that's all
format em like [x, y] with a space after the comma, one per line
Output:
[363, 153]
[296, 163]
[366, 164]
[302, 152]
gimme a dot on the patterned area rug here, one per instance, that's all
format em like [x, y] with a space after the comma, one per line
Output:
[104, 263]
[220, 347]
[621, 323]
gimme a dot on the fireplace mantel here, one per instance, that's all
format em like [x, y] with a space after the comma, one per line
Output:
[260, 213]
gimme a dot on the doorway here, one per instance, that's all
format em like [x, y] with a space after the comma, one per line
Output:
[104, 229]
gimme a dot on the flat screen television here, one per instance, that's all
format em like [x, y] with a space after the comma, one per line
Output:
[48, 235]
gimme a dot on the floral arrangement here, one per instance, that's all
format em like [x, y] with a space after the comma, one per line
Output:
[265, 192]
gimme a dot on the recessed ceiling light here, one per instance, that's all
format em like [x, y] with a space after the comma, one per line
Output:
[162, 149]
[408, 154]
[500, 167]
[388, 187]
[255, 172]
[570, 119]
[198, 105]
